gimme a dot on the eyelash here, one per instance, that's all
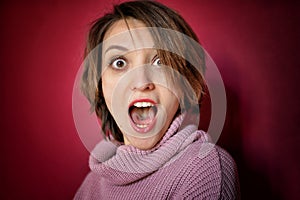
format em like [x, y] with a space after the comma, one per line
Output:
[111, 63]
[113, 60]
[155, 59]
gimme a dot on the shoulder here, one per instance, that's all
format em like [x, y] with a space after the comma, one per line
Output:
[211, 173]
[230, 188]
[88, 187]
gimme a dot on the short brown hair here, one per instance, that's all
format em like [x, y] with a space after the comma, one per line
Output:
[152, 14]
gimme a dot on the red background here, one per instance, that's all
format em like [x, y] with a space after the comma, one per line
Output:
[255, 44]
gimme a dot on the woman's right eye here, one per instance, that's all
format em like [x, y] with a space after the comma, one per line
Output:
[118, 63]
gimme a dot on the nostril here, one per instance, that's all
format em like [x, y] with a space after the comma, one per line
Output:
[144, 86]
[149, 86]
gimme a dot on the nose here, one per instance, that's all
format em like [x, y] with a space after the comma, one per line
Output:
[142, 80]
[144, 87]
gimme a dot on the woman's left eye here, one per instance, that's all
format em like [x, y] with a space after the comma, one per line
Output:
[157, 62]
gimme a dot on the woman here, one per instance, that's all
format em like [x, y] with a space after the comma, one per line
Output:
[143, 77]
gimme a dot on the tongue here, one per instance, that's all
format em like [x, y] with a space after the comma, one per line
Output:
[143, 116]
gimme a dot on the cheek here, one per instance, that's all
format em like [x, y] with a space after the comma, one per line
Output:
[175, 105]
[172, 104]
[107, 87]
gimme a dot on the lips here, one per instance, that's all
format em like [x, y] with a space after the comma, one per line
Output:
[142, 113]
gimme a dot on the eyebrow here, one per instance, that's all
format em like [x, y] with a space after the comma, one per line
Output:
[116, 47]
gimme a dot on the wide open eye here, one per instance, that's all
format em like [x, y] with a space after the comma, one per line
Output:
[119, 63]
[157, 61]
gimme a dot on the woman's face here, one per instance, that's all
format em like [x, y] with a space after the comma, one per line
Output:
[135, 89]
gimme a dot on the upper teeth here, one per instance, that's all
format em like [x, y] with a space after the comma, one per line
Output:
[142, 104]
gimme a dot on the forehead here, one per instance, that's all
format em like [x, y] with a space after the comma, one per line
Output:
[121, 26]
[133, 35]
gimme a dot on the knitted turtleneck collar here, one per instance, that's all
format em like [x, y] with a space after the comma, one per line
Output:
[125, 164]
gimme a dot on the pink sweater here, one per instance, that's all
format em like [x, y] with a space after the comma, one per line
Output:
[182, 166]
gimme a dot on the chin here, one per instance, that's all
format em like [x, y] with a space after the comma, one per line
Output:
[142, 143]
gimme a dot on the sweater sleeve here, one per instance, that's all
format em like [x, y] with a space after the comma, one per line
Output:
[89, 188]
[211, 177]
[230, 187]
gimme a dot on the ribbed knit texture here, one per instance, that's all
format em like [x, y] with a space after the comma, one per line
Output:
[183, 165]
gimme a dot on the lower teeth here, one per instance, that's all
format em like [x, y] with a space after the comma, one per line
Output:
[141, 125]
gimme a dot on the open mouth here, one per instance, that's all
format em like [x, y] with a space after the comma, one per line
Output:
[143, 115]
